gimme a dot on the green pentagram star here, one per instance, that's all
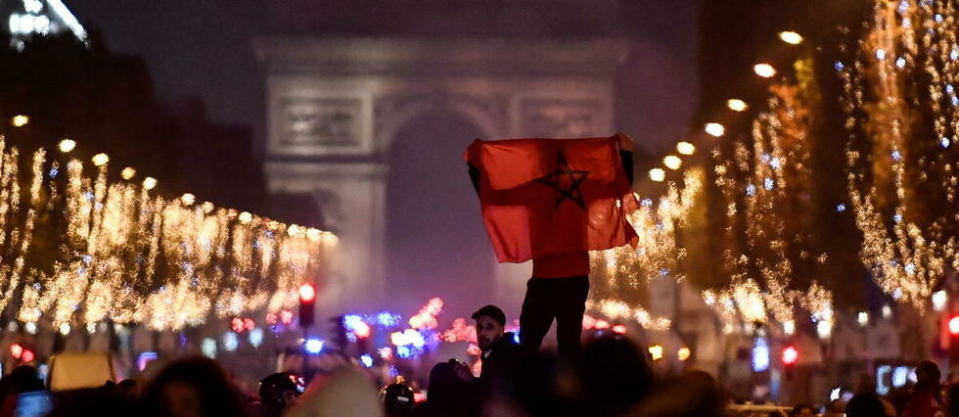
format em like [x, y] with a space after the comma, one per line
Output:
[573, 179]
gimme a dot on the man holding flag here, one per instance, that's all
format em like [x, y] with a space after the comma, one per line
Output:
[551, 201]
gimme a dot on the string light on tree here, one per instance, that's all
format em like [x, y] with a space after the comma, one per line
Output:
[188, 199]
[211, 266]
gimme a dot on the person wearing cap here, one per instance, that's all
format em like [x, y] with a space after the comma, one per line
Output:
[500, 356]
[278, 392]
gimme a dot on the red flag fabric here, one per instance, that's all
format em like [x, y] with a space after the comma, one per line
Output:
[544, 197]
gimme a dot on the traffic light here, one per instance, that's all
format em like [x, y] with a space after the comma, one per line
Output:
[307, 300]
[23, 354]
[790, 356]
[951, 342]
[954, 326]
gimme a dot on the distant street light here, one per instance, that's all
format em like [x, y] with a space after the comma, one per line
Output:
[100, 159]
[764, 70]
[737, 105]
[657, 174]
[715, 129]
[20, 120]
[67, 145]
[685, 148]
[128, 173]
[656, 352]
[672, 162]
[791, 37]
[149, 183]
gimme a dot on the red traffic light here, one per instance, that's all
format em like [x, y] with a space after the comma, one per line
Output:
[954, 325]
[307, 293]
[790, 355]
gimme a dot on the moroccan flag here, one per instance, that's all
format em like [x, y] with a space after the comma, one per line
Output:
[551, 196]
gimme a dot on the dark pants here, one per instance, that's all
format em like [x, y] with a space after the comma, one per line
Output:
[563, 299]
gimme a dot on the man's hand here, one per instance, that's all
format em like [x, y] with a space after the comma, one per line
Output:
[463, 371]
[625, 142]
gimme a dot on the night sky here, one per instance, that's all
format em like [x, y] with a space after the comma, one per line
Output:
[203, 48]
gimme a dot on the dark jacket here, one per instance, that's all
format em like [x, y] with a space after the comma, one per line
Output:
[501, 361]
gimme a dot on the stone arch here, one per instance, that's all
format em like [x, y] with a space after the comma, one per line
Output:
[436, 244]
[392, 114]
[336, 105]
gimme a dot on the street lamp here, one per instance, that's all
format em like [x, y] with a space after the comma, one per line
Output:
[67, 145]
[737, 105]
[128, 173]
[672, 162]
[657, 174]
[656, 352]
[685, 148]
[764, 70]
[791, 37]
[20, 120]
[715, 129]
[149, 183]
[100, 159]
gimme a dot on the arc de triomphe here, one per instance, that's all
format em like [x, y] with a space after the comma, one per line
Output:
[336, 105]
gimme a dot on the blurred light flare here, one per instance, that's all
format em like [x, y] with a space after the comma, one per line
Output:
[685, 148]
[939, 300]
[20, 120]
[313, 346]
[657, 174]
[791, 37]
[67, 145]
[790, 355]
[672, 162]
[100, 159]
[715, 129]
[737, 105]
[764, 70]
[656, 352]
